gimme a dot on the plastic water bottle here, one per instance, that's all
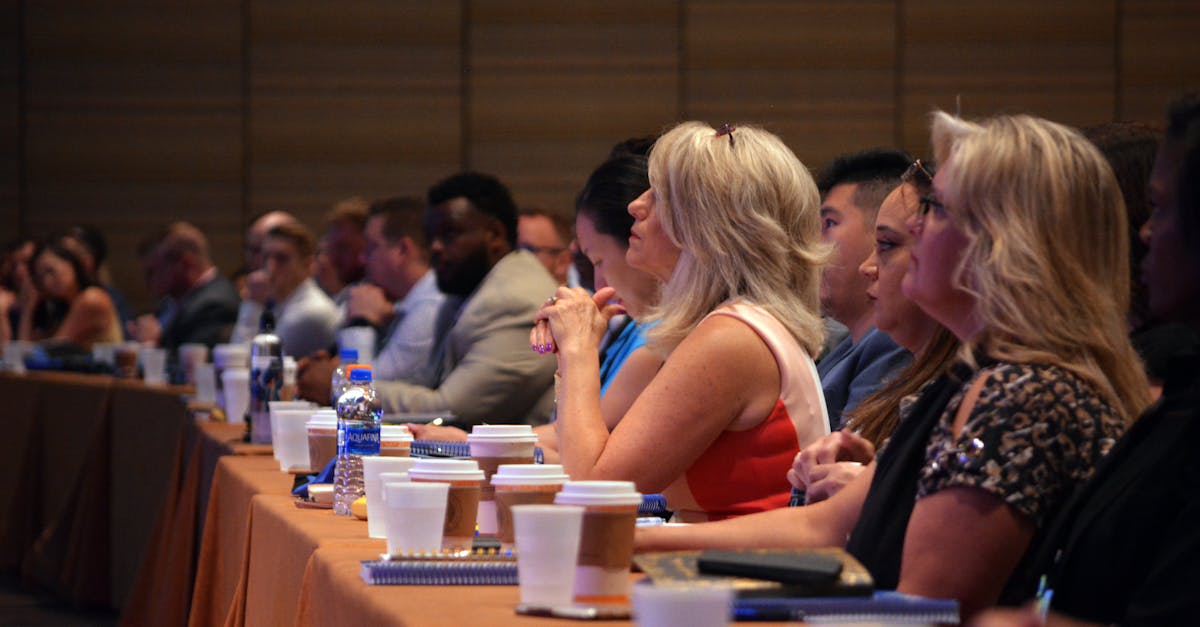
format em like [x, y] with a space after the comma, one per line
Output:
[349, 357]
[266, 377]
[359, 418]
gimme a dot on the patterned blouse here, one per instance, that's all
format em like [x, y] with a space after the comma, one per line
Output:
[1036, 432]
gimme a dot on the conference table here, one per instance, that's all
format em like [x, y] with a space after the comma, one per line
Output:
[114, 493]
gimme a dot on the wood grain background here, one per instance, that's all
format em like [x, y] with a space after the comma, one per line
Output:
[131, 113]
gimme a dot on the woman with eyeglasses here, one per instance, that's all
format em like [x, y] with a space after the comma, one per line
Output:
[824, 468]
[1021, 251]
[730, 225]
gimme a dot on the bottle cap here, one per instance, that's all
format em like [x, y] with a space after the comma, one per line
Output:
[349, 354]
[359, 374]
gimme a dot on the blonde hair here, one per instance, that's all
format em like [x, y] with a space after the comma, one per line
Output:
[1047, 255]
[745, 214]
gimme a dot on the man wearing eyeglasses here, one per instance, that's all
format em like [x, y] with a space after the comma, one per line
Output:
[548, 236]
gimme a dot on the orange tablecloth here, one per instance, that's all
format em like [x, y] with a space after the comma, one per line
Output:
[163, 591]
[87, 463]
[236, 481]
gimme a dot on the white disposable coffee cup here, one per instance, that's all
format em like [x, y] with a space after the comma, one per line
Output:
[374, 469]
[226, 356]
[290, 438]
[360, 338]
[547, 543]
[395, 441]
[154, 365]
[523, 484]
[191, 355]
[414, 515]
[491, 446]
[105, 352]
[465, 480]
[235, 385]
[606, 544]
[273, 409]
[206, 383]
[682, 605]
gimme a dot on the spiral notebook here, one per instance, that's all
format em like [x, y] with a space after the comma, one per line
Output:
[477, 569]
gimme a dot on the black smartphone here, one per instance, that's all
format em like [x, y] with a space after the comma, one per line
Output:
[812, 569]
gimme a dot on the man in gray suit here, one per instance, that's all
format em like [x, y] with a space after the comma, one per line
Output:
[481, 365]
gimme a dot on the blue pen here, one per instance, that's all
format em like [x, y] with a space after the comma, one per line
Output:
[1044, 596]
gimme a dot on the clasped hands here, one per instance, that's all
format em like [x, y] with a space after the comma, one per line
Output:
[827, 465]
[573, 319]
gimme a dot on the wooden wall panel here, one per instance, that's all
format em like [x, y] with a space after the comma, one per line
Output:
[1159, 56]
[133, 120]
[553, 85]
[819, 74]
[351, 98]
[1053, 59]
[10, 120]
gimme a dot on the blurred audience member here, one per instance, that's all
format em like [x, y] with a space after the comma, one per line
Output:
[402, 299]
[196, 304]
[15, 278]
[852, 187]
[305, 318]
[340, 249]
[250, 281]
[88, 243]
[548, 236]
[482, 368]
[66, 305]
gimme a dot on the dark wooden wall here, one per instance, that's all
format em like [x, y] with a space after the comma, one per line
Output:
[132, 113]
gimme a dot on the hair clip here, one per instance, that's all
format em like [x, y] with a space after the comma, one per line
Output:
[727, 129]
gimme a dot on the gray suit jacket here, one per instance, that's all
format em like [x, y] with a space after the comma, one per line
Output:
[483, 367]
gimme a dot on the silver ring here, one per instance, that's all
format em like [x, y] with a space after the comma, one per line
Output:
[550, 301]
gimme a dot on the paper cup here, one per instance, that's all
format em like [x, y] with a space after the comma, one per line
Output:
[465, 480]
[414, 515]
[290, 438]
[373, 470]
[523, 484]
[547, 543]
[606, 542]
[273, 409]
[190, 358]
[395, 441]
[682, 605]
[492, 445]
[206, 384]
[235, 385]
[322, 438]
[360, 338]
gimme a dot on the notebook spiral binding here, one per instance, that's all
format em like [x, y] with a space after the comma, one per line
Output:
[475, 572]
[438, 448]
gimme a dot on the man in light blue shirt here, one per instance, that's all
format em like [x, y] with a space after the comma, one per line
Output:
[401, 299]
[852, 188]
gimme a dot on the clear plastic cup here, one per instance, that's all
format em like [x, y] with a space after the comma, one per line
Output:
[322, 438]
[235, 385]
[523, 484]
[374, 468]
[190, 357]
[465, 480]
[606, 543]
[414, 515]
[547, 543]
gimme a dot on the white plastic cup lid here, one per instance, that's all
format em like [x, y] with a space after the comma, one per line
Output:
[323, 418]
[395, 432]
[446, 470]
[529, 474]
[599, 493]
[503, 433]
